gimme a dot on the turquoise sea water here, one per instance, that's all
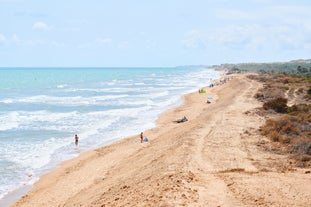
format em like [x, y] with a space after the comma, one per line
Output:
[41, 110]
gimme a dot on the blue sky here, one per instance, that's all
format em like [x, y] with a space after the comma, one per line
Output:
[152, 33]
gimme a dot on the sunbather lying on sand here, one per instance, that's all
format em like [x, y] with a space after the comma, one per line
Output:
[184, 119]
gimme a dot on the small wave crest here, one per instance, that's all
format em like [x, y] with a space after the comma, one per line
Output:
[37, 127]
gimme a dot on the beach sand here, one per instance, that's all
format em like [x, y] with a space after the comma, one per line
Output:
[214, 159]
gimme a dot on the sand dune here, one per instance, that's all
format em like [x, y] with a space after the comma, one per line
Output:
[214, 159]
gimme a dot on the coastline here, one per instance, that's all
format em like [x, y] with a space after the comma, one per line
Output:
[13, 197]
[136, 107]
[207, 160]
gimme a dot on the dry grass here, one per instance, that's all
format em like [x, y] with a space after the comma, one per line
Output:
[278, 104]
[294, 132]
[276, 85]
[292, 127]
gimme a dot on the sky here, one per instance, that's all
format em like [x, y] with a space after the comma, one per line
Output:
[159, 33]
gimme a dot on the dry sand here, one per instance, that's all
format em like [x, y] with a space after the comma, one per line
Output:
[214, 159]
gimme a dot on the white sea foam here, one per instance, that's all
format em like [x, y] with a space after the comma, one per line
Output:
[64, 101]
[155, 94]
[62, 86]
[9, 121]
[32, 155]
[6, 101]
[37, 127]
[99, 90]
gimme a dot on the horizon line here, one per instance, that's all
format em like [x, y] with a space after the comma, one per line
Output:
[98, 67]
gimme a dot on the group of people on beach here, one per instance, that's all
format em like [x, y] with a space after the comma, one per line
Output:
[142, 139]
[220, 82]
[183, 119]
[209, 98]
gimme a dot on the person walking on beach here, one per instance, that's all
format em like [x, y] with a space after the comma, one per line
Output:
[141, 137]
[76, 140]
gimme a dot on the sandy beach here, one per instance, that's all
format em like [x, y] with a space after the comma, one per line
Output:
[213, 159]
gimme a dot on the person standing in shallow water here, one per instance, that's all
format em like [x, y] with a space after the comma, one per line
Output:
[141, 137]
[76, 140]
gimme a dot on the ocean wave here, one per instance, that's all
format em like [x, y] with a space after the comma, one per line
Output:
[62, 86]
[37, 126]
[9, 121]
[64, 101]
[102, 90]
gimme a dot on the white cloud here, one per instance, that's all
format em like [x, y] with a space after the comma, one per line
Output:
[34, 42]
[41, 26]
[123, 45]
[261, 1]
[237, 36]
[289, 9]
[194, 39]
[84, 45]
[98, 42]
[2, 38]
[9, 40]
[103, 40]
[43, 42]
[77, 21]
[15, 39]
[74, 25]
[269, 27]
[234, 14]
[56, 43]
[251, 37]
[269, 14]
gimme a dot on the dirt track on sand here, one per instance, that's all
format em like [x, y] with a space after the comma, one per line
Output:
[214, 159]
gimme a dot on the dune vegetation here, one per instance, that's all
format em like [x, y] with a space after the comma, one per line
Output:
[286, 102]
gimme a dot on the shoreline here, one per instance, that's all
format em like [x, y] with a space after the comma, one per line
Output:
[17, 194]
[12, 196]
[209, 160]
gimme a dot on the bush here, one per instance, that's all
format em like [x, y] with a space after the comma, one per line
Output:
[300, 91]
[302, 147]
[259, 96]
[285, 81]
[279, 105]
[288, 127]
[299, 108]
[274, 136]
[309, 90]
[280, 130]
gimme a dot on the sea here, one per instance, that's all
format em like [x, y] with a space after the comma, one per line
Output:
[41, 109]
